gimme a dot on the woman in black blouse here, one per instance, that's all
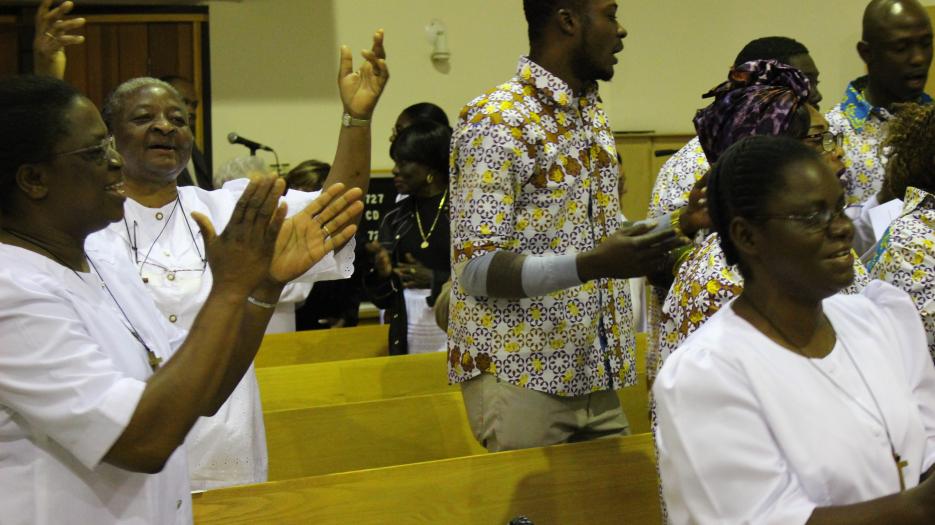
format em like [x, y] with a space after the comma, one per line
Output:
[410, 262]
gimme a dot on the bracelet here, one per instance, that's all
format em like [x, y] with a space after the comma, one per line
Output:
[348, 121]
[261, 304]
[676, 222]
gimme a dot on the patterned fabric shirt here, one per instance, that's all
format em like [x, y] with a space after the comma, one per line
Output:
[676, 179]
[704, 283]
[864, 129]
[534, 172]
[907, 256]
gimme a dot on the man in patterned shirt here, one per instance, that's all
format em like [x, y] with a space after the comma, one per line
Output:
[897, 47]
[540, 328]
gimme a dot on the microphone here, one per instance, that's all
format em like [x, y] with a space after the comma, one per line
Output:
[234, 138]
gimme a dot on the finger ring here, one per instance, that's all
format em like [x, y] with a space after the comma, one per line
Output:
[412, 271]
[50, 35]
[327, 231]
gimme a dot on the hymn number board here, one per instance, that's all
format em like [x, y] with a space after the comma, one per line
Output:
[379, 200]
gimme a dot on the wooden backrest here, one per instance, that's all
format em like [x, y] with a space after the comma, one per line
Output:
[353, 380]
[316, 346]
[353, 436]
[605, 481]
[370, 379]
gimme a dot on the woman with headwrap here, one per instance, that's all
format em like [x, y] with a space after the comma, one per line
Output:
[761, 97]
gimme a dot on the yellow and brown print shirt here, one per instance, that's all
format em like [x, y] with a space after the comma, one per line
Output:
[906, 256]
[534, 172]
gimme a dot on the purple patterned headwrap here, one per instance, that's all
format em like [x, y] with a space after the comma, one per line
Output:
[759, 98]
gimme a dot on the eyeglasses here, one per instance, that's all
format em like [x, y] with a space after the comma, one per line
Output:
[99, 153]
[813, 222]
[829, 141]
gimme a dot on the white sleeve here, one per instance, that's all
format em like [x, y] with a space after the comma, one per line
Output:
[718, 460]
[864, 237]
[909, 337]
[57, 378]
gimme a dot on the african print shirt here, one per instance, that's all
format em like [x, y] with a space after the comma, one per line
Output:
[676, 179]
[705, 283]
[906, 256]
[534, 172]
[864, 128]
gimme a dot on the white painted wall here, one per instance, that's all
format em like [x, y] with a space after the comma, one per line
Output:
[274, 62]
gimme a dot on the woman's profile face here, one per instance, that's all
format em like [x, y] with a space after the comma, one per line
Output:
[86, 185]
[806, 237]
[152, 134]
[409, 177]
[818, 125]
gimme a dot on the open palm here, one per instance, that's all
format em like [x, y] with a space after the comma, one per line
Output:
[304, 238]
[361, 89]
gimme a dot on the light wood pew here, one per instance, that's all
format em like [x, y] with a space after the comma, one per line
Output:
[358, 380]
[315, 346]
[353, 436]
[354, 380]
[608, 481]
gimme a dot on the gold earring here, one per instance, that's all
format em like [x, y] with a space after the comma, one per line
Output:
[430, 178]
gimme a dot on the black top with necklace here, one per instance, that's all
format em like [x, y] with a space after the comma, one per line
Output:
[419, 226]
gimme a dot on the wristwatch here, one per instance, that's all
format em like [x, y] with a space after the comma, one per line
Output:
[348, 121]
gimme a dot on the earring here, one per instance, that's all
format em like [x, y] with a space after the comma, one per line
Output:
[430, 178]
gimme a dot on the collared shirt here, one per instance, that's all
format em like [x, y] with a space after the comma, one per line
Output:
[906, 256]
[534, 172]
[228, 448]
[705, 283]
[71, 376]
[751, 432]
[864, 129]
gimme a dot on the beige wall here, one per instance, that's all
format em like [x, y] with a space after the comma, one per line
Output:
[274, 61]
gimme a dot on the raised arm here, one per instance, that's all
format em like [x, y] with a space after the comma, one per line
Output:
[250, 259]
[53, 33]
[360, 91]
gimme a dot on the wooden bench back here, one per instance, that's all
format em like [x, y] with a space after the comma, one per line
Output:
[608, 481]
[316, 346]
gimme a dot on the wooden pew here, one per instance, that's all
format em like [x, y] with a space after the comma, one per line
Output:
[316, 346]
[354, 380]
[353, 436]
[605, 481]
[370, 379]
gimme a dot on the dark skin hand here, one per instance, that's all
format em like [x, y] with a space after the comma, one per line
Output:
[413, 274]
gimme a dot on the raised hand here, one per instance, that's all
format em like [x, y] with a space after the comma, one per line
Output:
[53, 33]
[309, 235]
[240, 257]
[361, 89]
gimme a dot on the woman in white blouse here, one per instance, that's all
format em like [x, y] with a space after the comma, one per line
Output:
[794, 404]
[97, 390]
[149, 121]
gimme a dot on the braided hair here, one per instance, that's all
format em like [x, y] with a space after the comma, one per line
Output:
[745, 178]
[911, 135]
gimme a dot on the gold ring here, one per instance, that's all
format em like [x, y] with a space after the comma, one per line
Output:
[412, 271]
[50, 35]
[327, 232]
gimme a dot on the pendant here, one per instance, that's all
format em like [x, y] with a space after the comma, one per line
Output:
[424, 245]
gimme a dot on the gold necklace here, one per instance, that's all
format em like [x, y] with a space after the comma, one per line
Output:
[425, 236]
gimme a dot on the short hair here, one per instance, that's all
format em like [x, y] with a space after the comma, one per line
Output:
[168, 79]
[425, 142]
[539, 12]
[32, 122]
[745, 178]
[114, 104]
[297, 175]
[911, 137]
[426, 111]
[779, 48]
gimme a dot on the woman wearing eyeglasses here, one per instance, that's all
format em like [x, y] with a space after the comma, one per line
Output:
[98, 391]
[761, 98]
[794, 403]
[906, 255]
